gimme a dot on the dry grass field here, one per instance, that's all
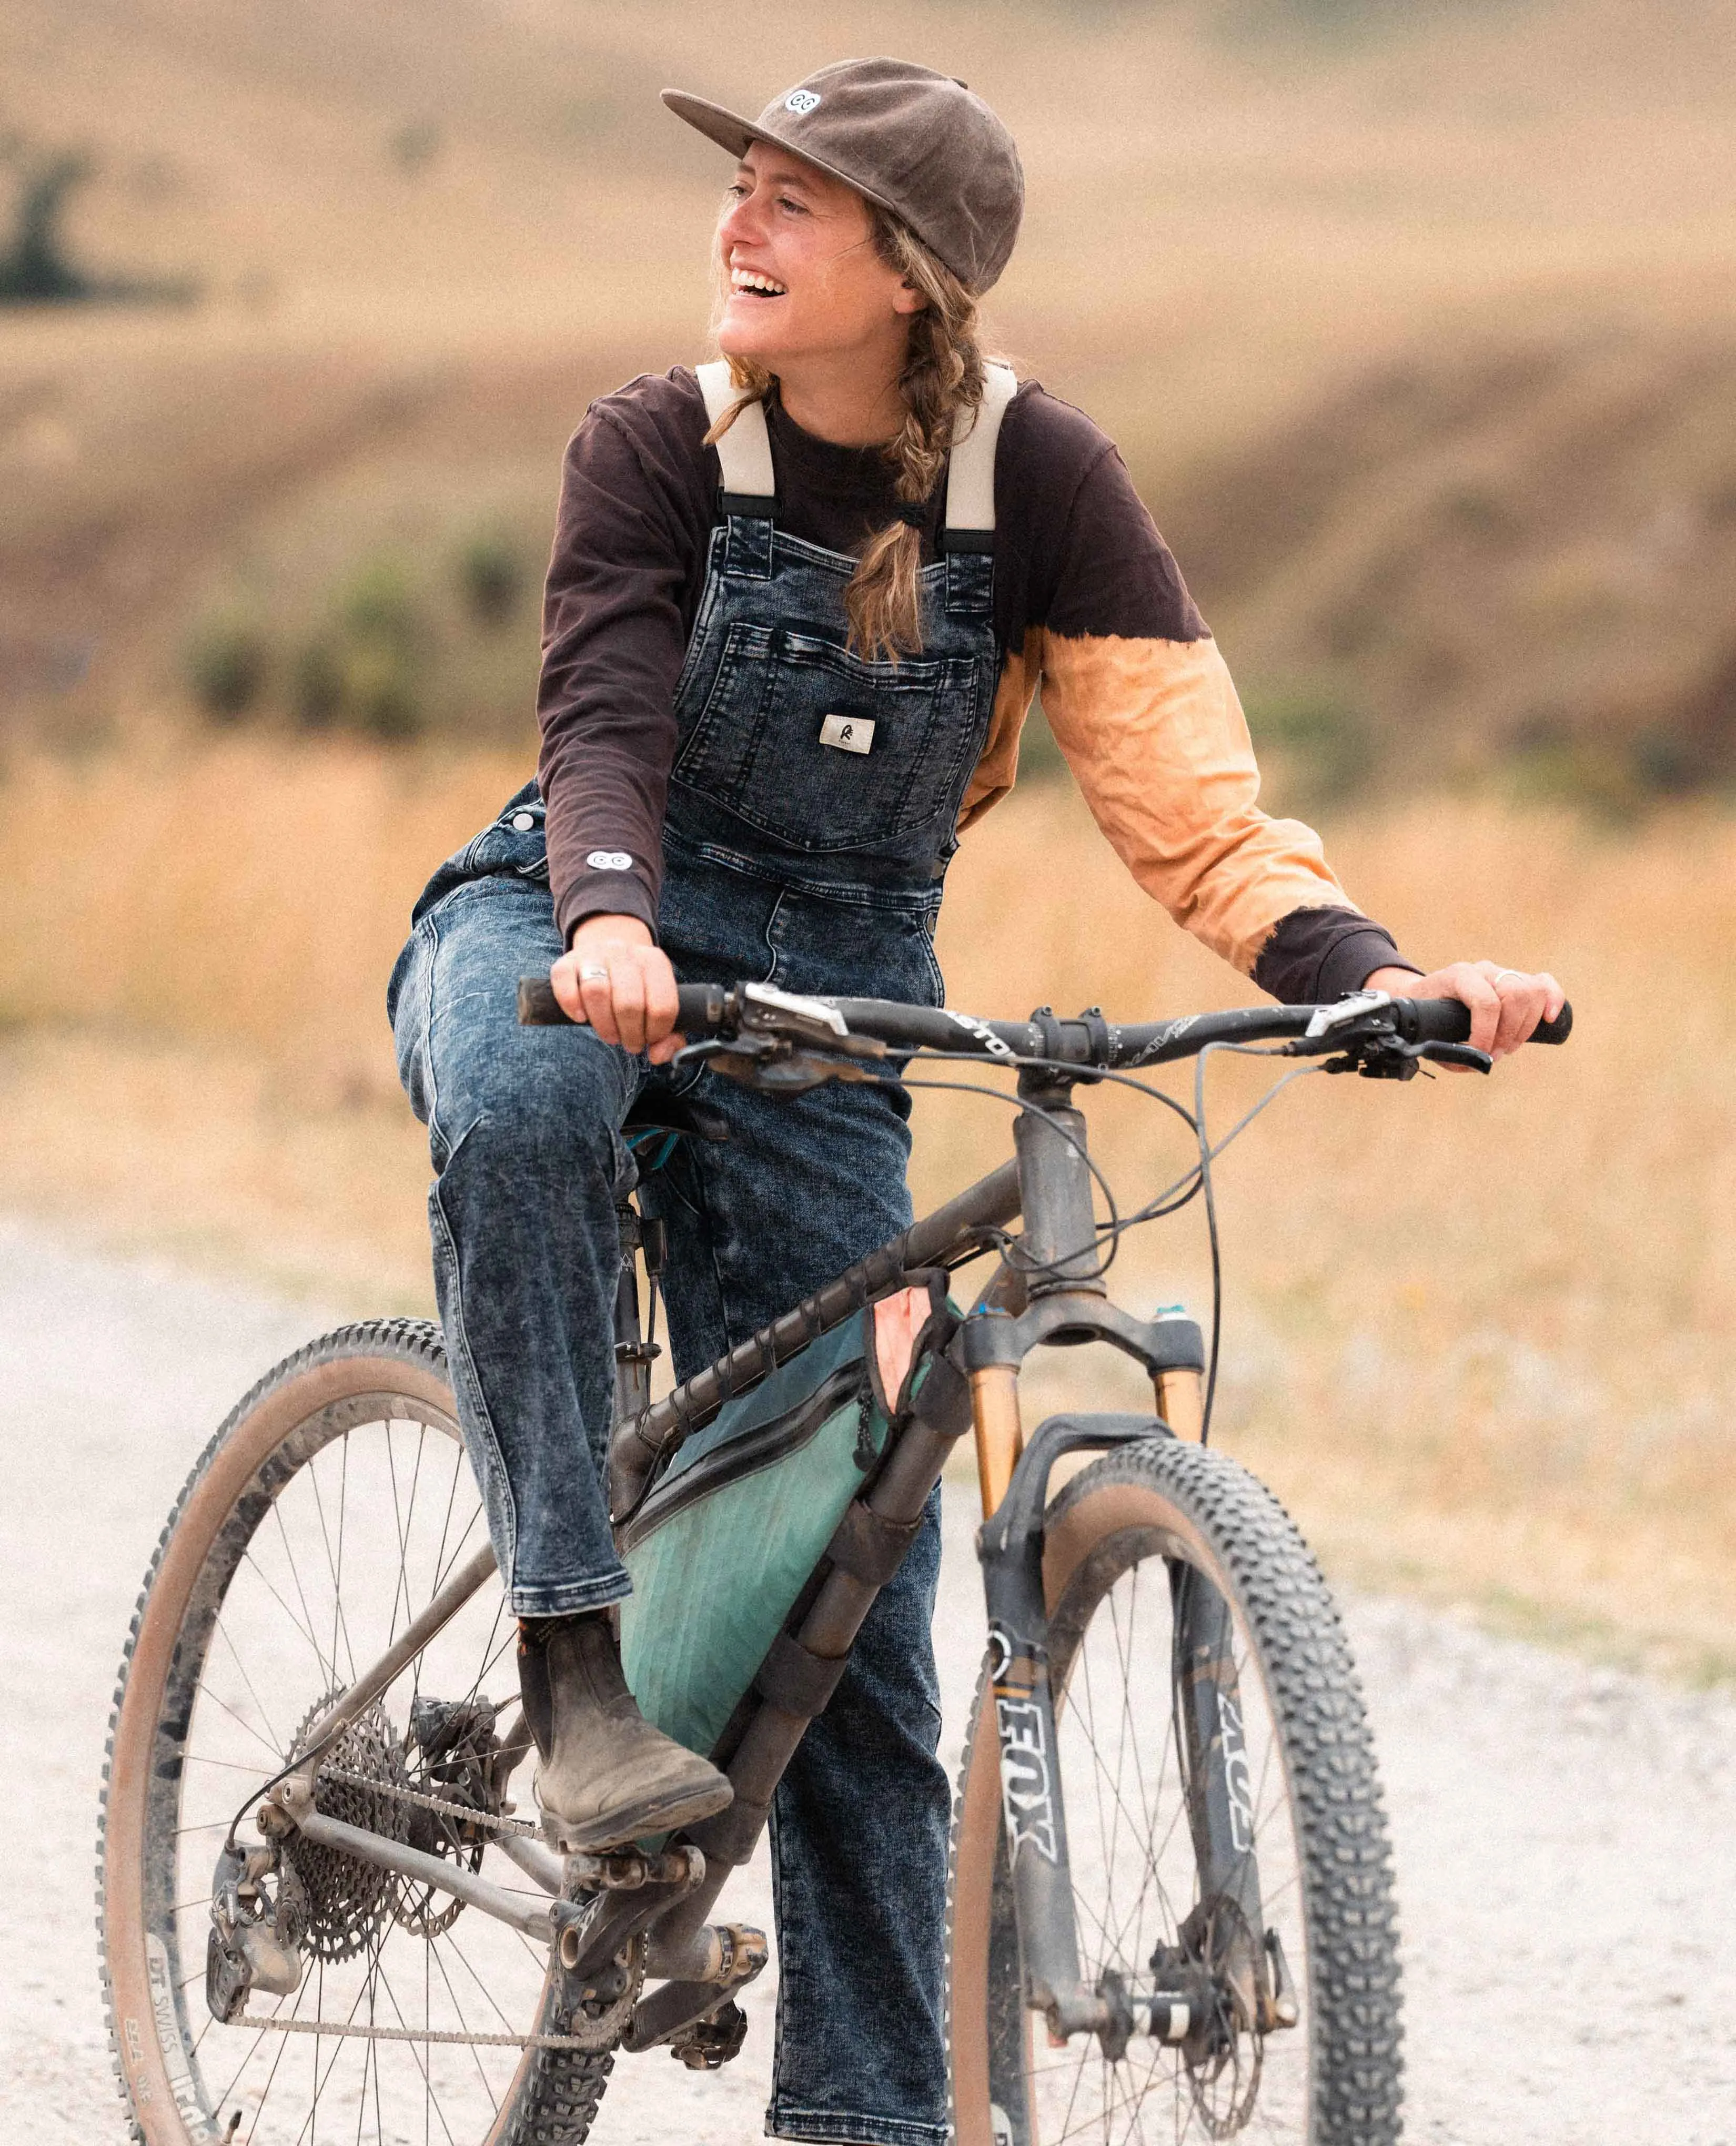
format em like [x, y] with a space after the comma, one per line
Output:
[1481, 1335]
[1416, 325]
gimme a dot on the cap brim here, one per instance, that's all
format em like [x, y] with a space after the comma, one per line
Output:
[730, 131]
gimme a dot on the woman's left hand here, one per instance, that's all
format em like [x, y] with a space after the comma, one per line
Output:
[1506, 1004]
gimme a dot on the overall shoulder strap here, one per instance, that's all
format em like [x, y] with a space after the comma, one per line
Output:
[745, 450]
[971, 472]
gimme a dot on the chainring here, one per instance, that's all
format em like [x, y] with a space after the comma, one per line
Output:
[596, 2017]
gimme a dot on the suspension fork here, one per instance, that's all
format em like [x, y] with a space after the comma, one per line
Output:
[1218, 1785]
[1066, 1302]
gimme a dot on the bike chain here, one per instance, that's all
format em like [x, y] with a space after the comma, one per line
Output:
[463, 1811]
[349, 2032]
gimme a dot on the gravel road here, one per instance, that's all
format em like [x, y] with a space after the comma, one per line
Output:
[1566, 1837]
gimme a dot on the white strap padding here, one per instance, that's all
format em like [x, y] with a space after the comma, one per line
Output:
[745, 450]
[971, 477]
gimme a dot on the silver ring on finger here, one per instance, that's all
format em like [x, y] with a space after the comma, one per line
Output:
[1499, 973]
[593, 974]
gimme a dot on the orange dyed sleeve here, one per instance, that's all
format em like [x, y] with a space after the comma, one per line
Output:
[1156, 736]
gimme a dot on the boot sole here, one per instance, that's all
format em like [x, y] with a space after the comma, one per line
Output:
[661, 1813]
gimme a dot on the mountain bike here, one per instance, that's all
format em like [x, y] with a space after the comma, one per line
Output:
[1170, 1902]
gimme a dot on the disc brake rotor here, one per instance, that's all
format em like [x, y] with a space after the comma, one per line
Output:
[1224, 2062]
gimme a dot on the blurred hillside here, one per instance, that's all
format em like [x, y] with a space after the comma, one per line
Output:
[1416, 325]
[1416, 321]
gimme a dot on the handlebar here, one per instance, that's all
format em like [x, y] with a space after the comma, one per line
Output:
[712, 1011]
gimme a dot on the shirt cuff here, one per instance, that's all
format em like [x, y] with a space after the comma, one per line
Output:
[1314, 956]
[609, 894]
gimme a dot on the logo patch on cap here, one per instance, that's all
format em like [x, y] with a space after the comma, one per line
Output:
[610, 860]
[800, 101]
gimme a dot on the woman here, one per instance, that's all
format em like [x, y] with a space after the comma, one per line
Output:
[788, 643]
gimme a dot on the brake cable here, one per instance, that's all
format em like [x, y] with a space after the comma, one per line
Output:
[1170, 1200]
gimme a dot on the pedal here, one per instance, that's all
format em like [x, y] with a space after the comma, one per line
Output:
[709, 2044]
[626, 1870]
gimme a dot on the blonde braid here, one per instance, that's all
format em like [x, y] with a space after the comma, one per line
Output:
[943, 374]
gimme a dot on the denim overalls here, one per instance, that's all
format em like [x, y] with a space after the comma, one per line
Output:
[811, 813]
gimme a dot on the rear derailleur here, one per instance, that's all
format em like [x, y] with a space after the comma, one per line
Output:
[274, 1902]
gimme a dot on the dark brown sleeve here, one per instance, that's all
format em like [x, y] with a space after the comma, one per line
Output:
[1314, 956]
[628, 556]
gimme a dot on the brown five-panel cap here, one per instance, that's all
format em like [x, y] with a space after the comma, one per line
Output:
[919, 144]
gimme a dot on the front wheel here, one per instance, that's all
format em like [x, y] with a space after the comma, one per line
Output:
[1126, 1540]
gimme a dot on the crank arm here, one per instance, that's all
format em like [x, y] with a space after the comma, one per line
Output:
[594, 1937]
[662, 2015]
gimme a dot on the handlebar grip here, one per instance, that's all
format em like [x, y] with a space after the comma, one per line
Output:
[701, 1006]
[537, 1006]
[1445, 1021]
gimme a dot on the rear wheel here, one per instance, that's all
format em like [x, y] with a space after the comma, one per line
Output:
[1122, 1538]
[321, 1519]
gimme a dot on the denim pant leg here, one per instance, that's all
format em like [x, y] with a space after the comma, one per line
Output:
[522, 1127]
[859, 1834]
[859, 1828]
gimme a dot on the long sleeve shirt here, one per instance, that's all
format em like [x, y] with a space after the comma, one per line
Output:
[1090, 610]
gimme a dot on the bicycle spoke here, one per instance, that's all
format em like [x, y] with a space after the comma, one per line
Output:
[326, 1666]
[476, 2053]
[334, 1565]
[1134, 1876]
[221, 1629]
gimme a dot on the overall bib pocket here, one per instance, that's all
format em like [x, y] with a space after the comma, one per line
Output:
[821, 750]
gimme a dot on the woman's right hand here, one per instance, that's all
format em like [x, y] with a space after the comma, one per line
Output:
[615, 978]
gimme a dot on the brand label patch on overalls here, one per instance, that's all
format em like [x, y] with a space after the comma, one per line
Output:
[849, 733]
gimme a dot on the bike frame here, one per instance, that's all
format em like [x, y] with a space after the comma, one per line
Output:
[1051, 1295]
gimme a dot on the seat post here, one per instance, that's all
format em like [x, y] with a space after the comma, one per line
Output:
[634, 1355]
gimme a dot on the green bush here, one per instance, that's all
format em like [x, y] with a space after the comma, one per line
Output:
[316, 689]
[228, 662]
[492, 578]
[414, 145]
[378, 607]
[366, 670]
[1321, 746]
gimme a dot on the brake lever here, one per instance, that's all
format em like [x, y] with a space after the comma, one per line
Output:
[1385, 1058]
[772, 1064]
[1458, 1054]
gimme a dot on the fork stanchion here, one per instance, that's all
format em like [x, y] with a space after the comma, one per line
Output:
[999, 1430]
[1181, 1403]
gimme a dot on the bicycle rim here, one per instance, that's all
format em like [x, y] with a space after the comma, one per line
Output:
[323, 1518]
[1116, 1534]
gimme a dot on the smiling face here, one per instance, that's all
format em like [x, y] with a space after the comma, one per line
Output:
[804, 279]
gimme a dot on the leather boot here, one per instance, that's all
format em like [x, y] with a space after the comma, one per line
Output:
[607, 1776]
